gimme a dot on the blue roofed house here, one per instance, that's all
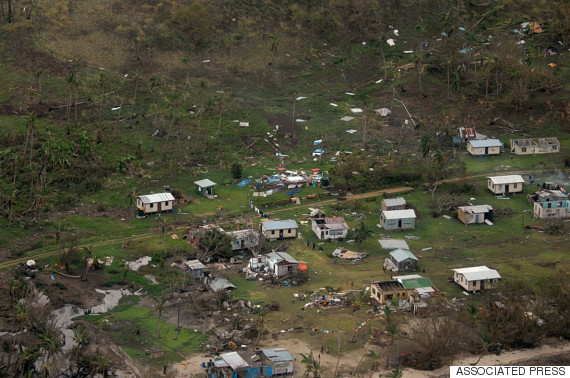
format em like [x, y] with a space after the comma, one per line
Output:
[205, 187]
[401, 260]
[484, 147]
[283, 229]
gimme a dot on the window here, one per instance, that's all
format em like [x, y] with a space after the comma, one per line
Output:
[515, 185]
[151, 205]
[289, 230]
[167, 203]
[388, 296]
[272, 232]
[523, 149]
[403, 295]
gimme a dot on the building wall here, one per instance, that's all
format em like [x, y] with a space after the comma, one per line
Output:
[469, 218]
[522, 150]
[383, 207]
[500, 188]
[328, 234]
[476, 151]
[558, 209]
[275, 234]
[393, 224]
[476, 285]
[150, 208]
[388, 296]
[284, 269]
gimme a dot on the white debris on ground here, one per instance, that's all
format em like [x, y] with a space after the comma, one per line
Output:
[111, 300]
[135, 265]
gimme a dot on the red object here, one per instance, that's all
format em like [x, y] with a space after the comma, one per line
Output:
[315, 169]
[303, 267]
[281, 169]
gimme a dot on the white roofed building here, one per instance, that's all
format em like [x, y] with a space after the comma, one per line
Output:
[283, 229]
[155, 203]
[505, 184]
[398, 219]
[476, 278]
[333, 228]
[484, 147]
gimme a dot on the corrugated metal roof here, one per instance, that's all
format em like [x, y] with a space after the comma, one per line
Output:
[204, 183]
[402, 254]
[277, 355]
[157, 197]
[281, 256]
[195, 264]
[478, 273]
[221, 284]
[476, 209]
[393, 244]
[399, 214]
[485, 143]
[279, 225]
[234, 360]
[394, 201]
[509, 179]
[416, 283]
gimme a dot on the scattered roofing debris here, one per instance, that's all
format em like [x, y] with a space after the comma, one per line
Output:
[346, 254]
[393, 244]
[383, 112]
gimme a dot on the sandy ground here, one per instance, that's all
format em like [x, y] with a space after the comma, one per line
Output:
[192, 367]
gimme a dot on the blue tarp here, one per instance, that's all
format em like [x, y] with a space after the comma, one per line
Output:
[273, 180]
[244, 182]
[293, 192]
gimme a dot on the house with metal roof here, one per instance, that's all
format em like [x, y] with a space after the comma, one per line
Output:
[476, 278]
[283, 229]
[484, 147]
[195, 268]
[552, 209]
[505, 184]
[155, 203]
[332, 228]
[475, 214]
[277, 263]
[248, 363]
[244, 239]
[393, 204]
[205, 187]
[389, 291]
[423, 286]
[401, 260]
[281, 361]
[398, 219]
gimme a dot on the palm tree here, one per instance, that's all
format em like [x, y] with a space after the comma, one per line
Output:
[160, 305]
[101, 365]
[362, 233]
[260, 325]
[393, 331]
[163, 224]
[356, 305]
[375, 362]
[312, 366]
[80, 338]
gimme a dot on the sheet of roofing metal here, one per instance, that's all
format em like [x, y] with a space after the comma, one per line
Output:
[399, 214]
[279, 225]
[157, 197]
[478, 143]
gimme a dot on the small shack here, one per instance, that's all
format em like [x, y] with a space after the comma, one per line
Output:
[155, 203]
[401, 260]
[388, 291]
[332, 228]
[205, 187]
[475, 214]
[244, 239]
[277, 230]
[280, 360]
[195, 268]
[389, 204]
[398, 219]
[476, 278]
[505, 184]
[484, 147]
[249, 363]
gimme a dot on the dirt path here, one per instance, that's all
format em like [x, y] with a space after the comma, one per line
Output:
[191, 367]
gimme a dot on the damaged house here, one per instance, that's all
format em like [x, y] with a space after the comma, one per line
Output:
[333, 228]
[244, 239]
[261, 363]
[530, 146]
[475, 214]
[279, 264]
[385, 292]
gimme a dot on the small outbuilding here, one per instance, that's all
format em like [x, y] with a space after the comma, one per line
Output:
[476, 278]
[398, 219]
[333, 228]
[401, 260]
[277, 230]
[389, 204]
[388, 291]
[155, 203]
[195, 268]
[484, 147]
[475, 214]
[505, 184]
[280, 360]
[205, 187]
